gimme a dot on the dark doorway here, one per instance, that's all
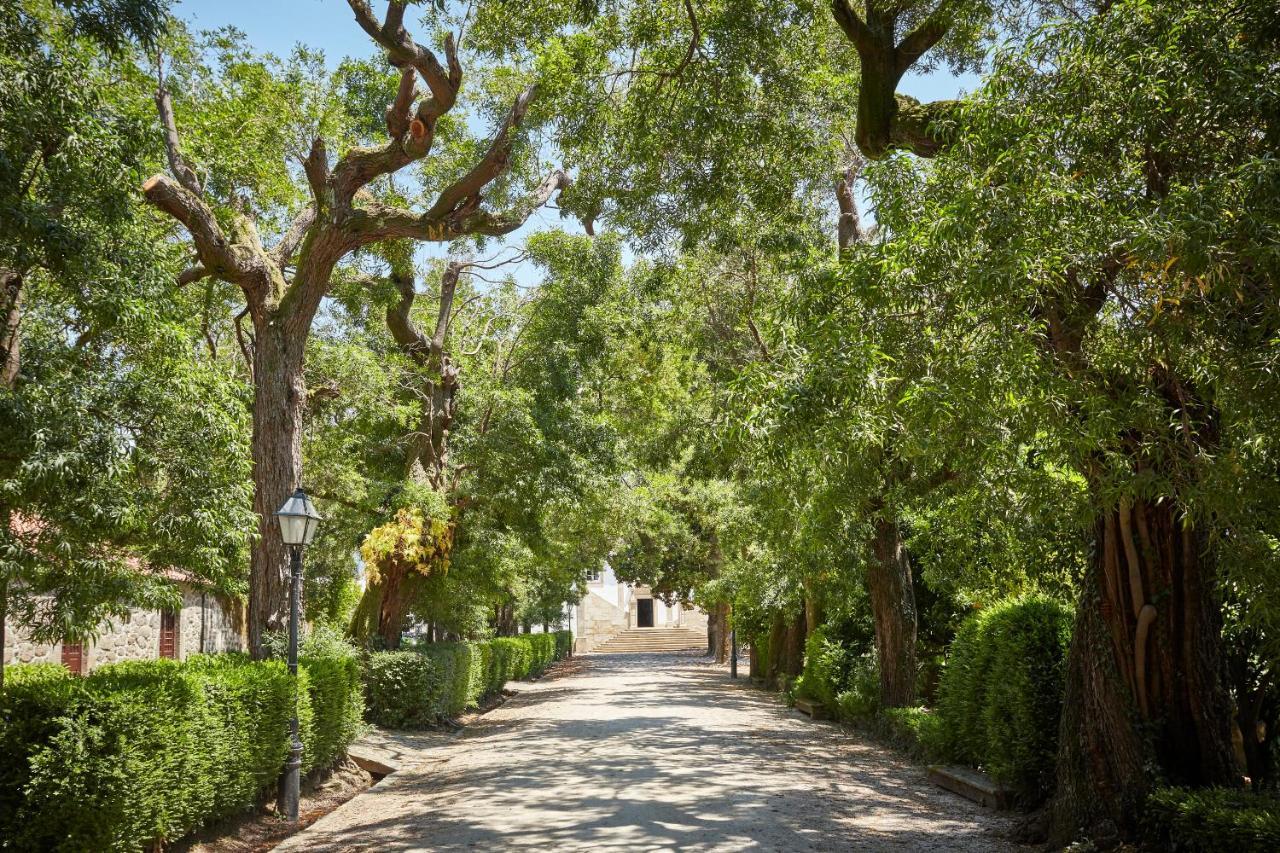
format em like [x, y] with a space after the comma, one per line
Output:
[644, 612]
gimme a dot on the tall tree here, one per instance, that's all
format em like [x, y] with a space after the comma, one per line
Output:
[1088, 215]
[353, 205]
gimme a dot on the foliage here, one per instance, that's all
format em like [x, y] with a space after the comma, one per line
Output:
[436, 681]
[860, 700]
[1001, 692]
[139, 752]
[402, 689]
[826, 668]
[148, 751]
[412, 542]
[917, 730]
[1210, 820]
[124, 449]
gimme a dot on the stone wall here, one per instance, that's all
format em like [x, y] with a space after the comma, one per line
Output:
[134, 638]
[219, 633]
[598, 620]
[18, 648]
[137, 636]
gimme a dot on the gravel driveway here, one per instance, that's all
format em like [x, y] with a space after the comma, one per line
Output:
[654, 752]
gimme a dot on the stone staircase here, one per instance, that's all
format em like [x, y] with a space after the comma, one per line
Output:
[647, 640]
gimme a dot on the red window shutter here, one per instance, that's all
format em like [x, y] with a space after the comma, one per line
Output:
[168, 634]
[73, 657]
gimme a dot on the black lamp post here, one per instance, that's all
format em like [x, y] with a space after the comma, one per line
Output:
[298, 522]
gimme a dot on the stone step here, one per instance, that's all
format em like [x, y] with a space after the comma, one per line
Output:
[641, 640]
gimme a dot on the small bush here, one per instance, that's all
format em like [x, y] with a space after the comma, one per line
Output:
[402, 689]
[826, 666]
[564, 644]
[337, 708]
[917, 730]
[1001, 692]
[436, 681]
[1210, 820]
[860, 700]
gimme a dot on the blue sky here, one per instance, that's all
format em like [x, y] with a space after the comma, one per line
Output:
[277, 25]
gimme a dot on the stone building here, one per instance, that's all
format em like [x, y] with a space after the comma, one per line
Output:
[611, 607]
[204, 623]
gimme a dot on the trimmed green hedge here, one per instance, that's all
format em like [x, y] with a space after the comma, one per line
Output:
[826, 662]
[420, 687]
[1001, 692]
[146, 751]
[1210, 820]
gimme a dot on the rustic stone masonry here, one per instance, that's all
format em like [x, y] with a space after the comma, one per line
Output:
[203, 624]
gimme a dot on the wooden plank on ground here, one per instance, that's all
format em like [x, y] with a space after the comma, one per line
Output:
[815, 710]
[971, 784]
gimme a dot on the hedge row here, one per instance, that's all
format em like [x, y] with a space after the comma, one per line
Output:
[420, 687]
[1207, 821]
[1001, 692]
[146, 751]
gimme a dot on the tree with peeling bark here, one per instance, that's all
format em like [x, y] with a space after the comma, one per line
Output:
[352, 207]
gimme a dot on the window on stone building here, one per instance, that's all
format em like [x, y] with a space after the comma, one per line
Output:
[594, 576]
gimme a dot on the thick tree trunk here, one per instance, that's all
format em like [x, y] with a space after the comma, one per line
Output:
[4, 608]
[10, 327]
[777, 636]
[722, 637]
[893, 608]
[278, 403]
[812, 608]
[396, 594]
[1145, 699]
[793, 647]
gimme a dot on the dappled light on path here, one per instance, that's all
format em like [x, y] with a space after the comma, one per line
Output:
[655, 752]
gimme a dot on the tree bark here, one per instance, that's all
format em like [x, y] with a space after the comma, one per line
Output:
[893, 608]
[889, 121]
[1145, 697]
[10, 327]
[793, 647]
[777, 634]
[812, 608]
[278, 402]
[722, 632]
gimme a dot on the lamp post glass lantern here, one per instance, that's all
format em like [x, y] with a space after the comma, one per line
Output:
[298, 522]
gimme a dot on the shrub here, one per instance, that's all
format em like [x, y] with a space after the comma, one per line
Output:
[336, 705]
[1206, 821]
[826, 665]
[402, 689]
[138, 752]
[917, 730]
[564, 644]
[435, 681]
[1001, 692]
[860, 700]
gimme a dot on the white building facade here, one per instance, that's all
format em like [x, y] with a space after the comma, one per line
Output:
[611, 607]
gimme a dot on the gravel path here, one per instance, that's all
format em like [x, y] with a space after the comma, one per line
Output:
[654, 752]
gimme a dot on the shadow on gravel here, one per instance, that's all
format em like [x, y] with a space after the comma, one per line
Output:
[677, 757]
